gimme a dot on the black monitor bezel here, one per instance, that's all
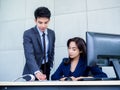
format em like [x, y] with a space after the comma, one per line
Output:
[90, 48]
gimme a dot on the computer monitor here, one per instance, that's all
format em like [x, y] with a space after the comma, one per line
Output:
[103, 47]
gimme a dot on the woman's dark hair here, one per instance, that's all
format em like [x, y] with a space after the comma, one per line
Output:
[42, 12]
[80, 44]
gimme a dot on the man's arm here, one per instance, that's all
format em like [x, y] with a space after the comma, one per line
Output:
[29, 53]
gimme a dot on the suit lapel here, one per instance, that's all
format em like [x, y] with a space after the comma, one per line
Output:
[38, 37]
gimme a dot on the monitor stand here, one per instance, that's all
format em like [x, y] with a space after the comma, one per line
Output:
[116, 66]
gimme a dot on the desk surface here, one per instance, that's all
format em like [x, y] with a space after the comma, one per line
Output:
[62, 83]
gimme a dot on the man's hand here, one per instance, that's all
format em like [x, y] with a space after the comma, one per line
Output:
[40, 76]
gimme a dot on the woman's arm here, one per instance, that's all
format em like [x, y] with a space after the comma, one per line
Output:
[97, 72]
[58, 73]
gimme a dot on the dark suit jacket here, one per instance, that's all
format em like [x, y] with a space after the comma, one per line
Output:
[33, 50]
[81, 70]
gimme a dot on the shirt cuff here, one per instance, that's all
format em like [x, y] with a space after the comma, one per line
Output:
[36, 72]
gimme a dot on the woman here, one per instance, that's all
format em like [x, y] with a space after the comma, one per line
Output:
[75, 66]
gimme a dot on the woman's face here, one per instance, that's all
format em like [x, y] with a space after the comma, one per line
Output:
[73, 50]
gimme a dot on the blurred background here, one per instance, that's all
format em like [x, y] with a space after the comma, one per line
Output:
[70, 18]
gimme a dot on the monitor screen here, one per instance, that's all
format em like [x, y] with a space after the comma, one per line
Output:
[101, 46]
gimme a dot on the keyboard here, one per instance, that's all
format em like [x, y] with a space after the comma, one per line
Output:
[96, 79]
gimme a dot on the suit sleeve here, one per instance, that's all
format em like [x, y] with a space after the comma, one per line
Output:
[29, 53]
[97, 72]
[58, 73]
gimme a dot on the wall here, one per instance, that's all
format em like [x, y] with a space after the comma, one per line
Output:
[69, 18]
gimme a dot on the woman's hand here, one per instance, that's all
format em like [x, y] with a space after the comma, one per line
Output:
[73, 78]
[63, 79]
[81, 77]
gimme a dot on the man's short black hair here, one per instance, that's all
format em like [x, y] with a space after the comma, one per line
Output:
[42, 12]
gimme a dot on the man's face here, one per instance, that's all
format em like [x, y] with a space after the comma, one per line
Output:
[42, 23]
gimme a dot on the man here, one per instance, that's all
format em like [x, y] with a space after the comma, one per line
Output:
[39, 43]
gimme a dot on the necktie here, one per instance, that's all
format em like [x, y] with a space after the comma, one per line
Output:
[44, 52]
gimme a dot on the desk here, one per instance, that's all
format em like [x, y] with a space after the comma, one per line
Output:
[61, 85]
